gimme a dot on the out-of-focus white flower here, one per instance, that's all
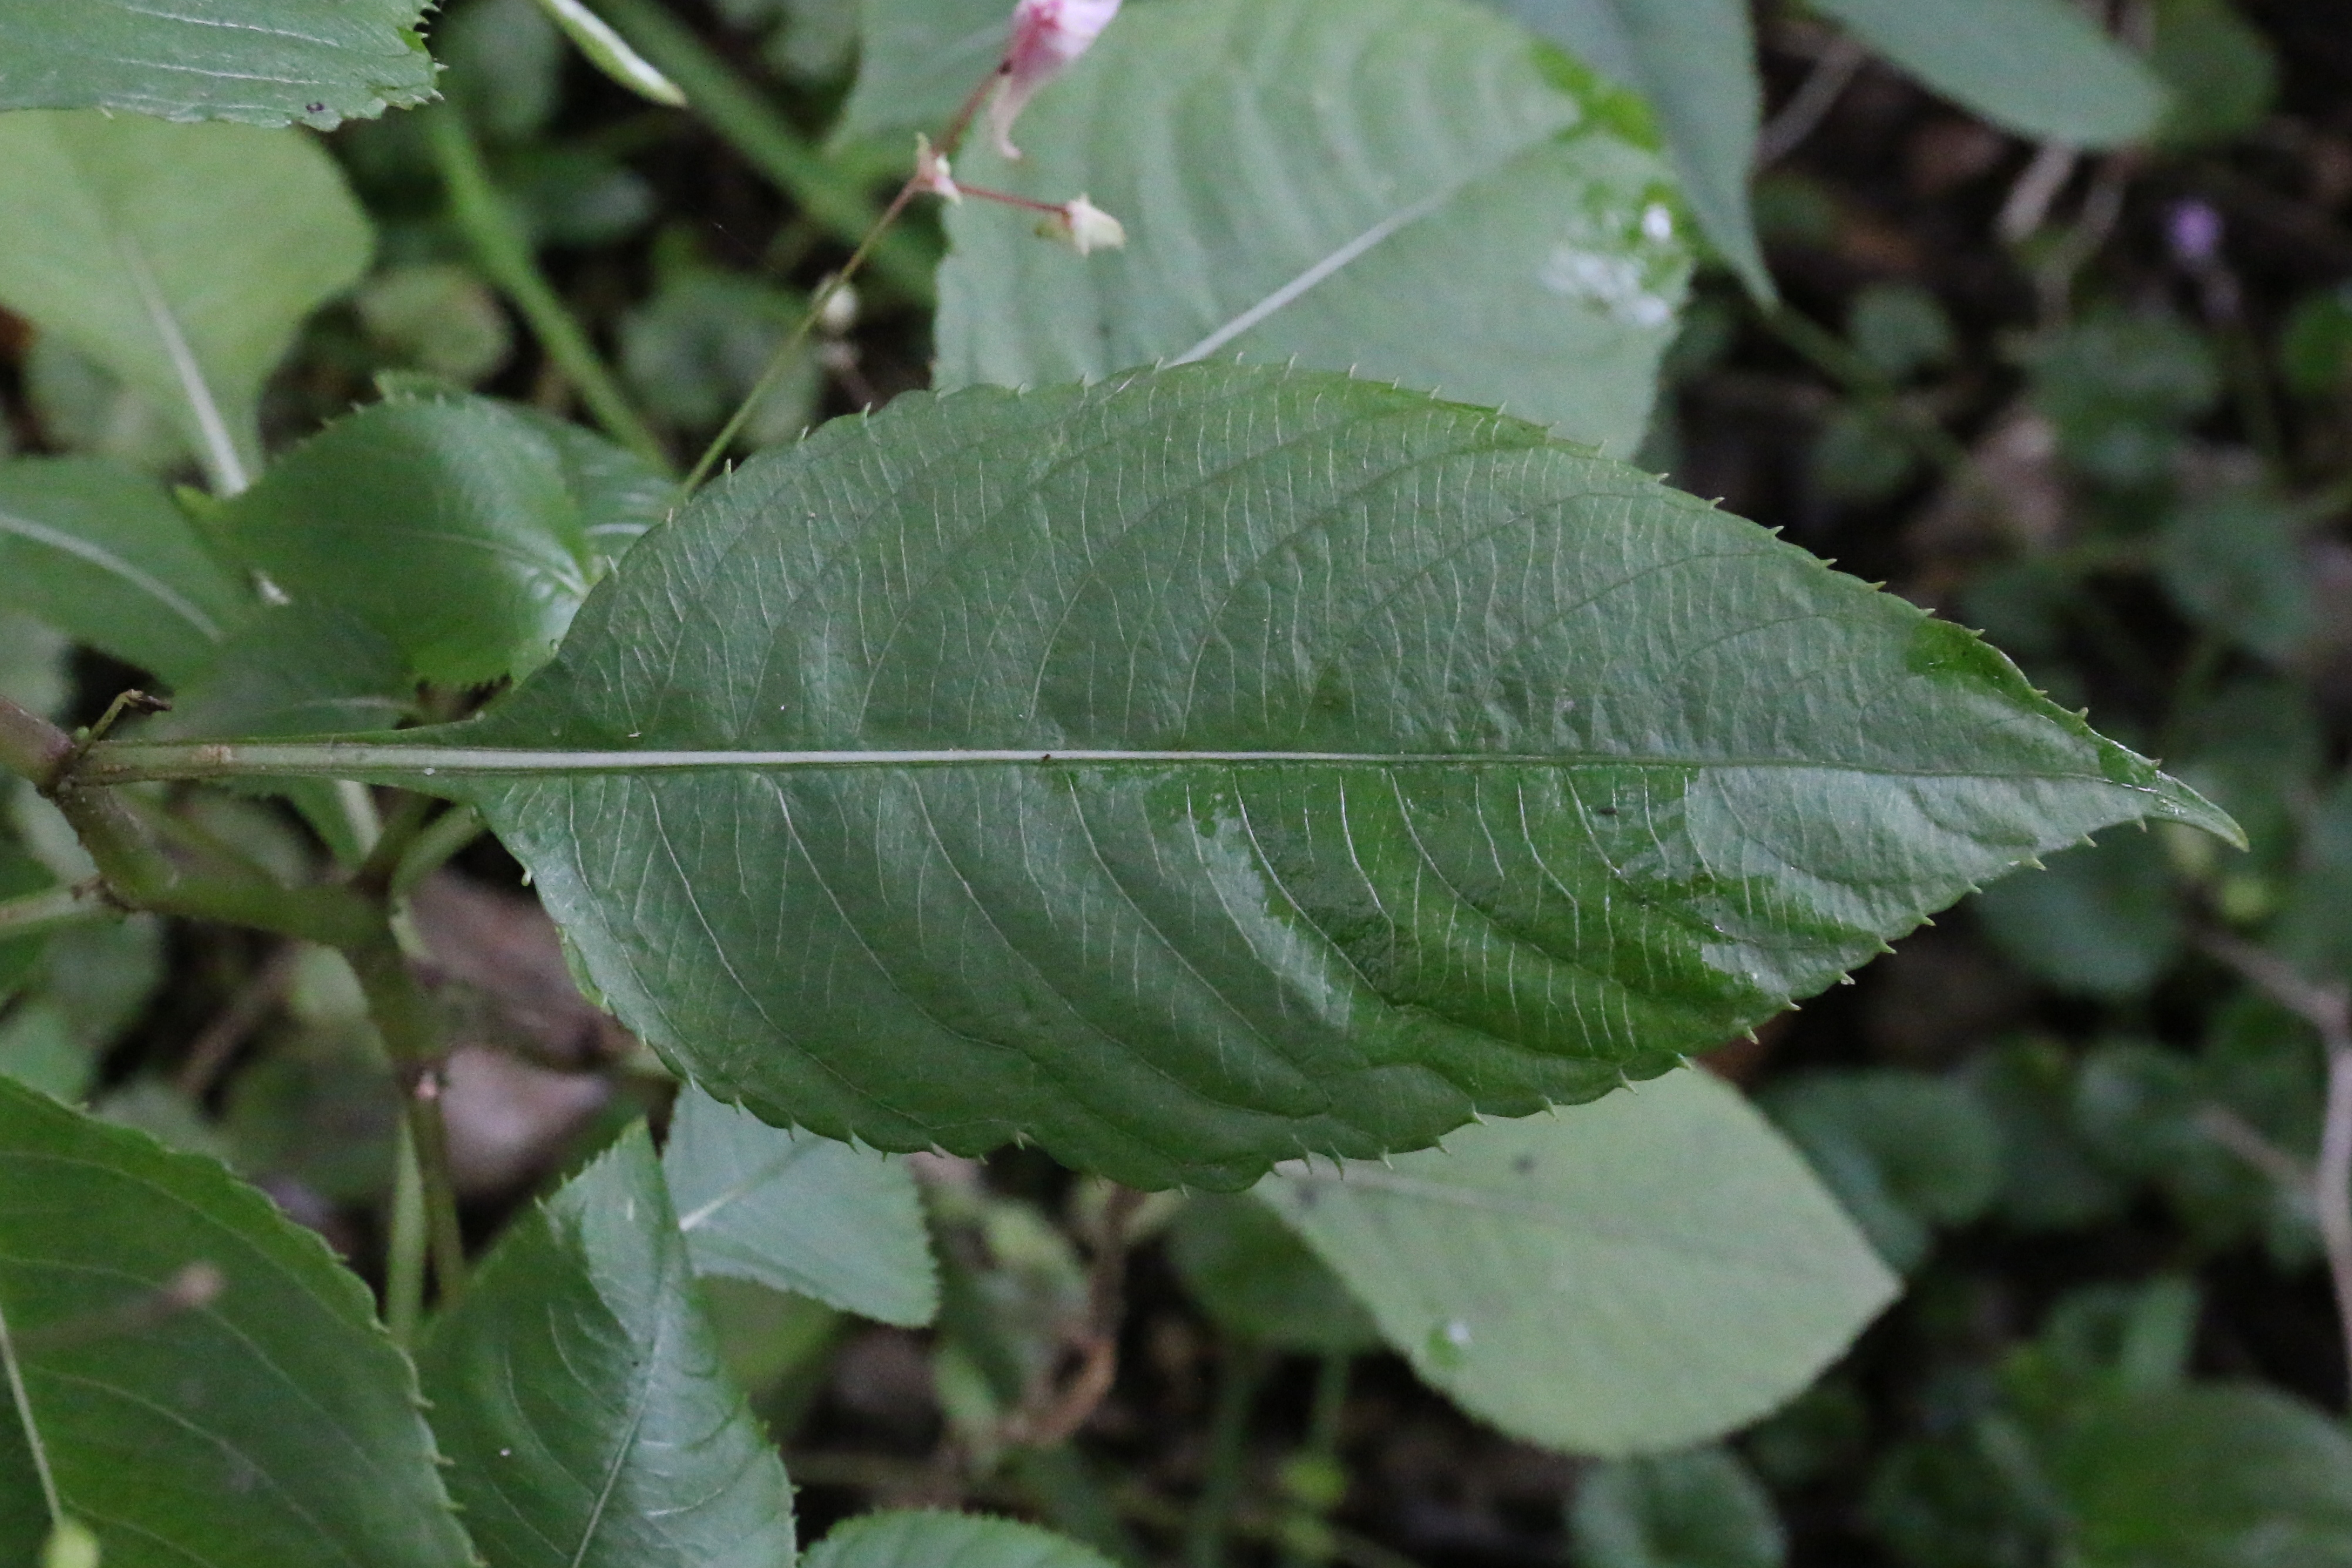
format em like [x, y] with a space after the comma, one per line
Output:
[1047, 35]
[1084, 227]
[931, 172]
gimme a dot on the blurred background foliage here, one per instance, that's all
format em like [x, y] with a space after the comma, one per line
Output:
[2097, 404]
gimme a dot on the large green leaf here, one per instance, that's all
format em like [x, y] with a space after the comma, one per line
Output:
[2213, 1476]
[918, 59]
[1627, 1277]
[1396, 186]
[201, 1380]
[180, 257]
[1256, 1279]
[2039, 67]
[100, 552]
[922, 1539]
[462, 529]
[1695, 61]
[266, 62]
[798, 1212]
[579, 1391]
[1223, 764]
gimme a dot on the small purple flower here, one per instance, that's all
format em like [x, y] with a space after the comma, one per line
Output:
[2193, 229]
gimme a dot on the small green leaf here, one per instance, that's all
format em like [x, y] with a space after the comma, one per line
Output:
[461, 529]
[1903, 1151]
[2234, 562]
[1222, 763]
[1694, 62]
[923, 1539]
[180, 257]
[1258, 1281]
[2042, 67]
[797, 1212]
[1699, 1508]
[2222, 71]
[2210, 1476]
[101, 553]
[1629, 1275]
[155, 1307]
[579, 1392]
[265, 62]
[1331, 182]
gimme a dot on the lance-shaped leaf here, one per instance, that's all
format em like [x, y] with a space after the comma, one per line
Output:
[180, 257]
[189, 1374]
[1332, 183]
[100, 552]
[798, 1212]
[266, 62]
[1221, 764]
[578, 1390]
[1627, 1277]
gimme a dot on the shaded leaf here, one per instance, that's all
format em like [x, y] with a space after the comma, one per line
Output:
[1694, 62]
[922, 1539]
[1700, 1509]
[579, 1391]
[1404, 764]
[1904, 1151]
[2102, 919]
[797, 1212]
[159, 1308]
[2041, 68]
[1625, 1277]
[918, 59]
[1255, 1279]
[265, 62]
[103, 555]
[2227, 1475]
[180, 257]
[1351, 174]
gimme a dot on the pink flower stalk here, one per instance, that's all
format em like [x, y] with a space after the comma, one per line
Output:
[1048, 36]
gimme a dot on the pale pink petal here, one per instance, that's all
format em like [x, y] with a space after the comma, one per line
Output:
[1047, 35]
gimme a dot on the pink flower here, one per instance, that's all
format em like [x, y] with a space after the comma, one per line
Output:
[1047, 35]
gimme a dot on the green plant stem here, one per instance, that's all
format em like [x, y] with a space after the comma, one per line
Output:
[448, 833]
[786, 351]
[751, 125]
[404, 1272]
[1241, 1370]
[505, 252]
[1322, 1445]
[31, 747]
[53, 909]
[404, 1017]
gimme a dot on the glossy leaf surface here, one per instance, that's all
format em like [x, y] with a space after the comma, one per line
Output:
[1694, 62]
[797, 1212]
[1404, 764]
[265, 62]
[101, 553]
[158, 1308]
[2039, 67]
[924, 1538]
[180, 257]
[463, 531]
[1331, 182]
[1625, 1277]
[579, 1391]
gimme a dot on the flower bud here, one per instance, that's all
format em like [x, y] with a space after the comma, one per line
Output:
[931, 172]
[1084, 227]
[1047, 35]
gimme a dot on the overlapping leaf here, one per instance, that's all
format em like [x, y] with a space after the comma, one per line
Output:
[1223, 764]
[1396, 186]
[180, 257]
[1627, 1277]
[579, 1391]
[159, 1311]
[914, 1538]
[266, 62]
